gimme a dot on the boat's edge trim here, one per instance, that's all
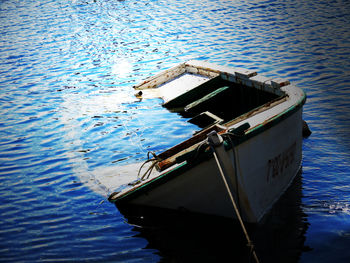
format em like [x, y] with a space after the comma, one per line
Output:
[237, 75]
[279, 117]
[154, 182]
[161, 77]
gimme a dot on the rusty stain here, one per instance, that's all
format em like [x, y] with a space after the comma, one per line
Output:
[284, 83]
[272, 117]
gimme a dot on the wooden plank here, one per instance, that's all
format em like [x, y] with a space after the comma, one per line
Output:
[197, 104]
[161, 78]
[195, 93]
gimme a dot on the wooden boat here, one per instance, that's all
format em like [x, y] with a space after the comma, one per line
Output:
[256, 126]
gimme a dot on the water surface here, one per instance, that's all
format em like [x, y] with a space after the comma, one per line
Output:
[69, 121]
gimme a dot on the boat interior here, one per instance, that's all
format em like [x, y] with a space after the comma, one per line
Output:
[218, 101]
[213, 105]
[211, 99]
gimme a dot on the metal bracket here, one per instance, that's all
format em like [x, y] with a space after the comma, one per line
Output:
[214, 139]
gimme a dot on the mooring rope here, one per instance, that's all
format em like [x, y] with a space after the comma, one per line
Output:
[238, 214]
[148, 172]
[229, 135]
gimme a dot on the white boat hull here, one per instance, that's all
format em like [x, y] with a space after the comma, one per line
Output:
[266, 165]
[263, 162]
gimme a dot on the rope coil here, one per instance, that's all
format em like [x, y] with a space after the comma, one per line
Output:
[148, 172]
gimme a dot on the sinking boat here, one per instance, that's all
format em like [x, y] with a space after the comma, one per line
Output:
[249, 131]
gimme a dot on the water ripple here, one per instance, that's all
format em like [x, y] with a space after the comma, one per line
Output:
[71, 130]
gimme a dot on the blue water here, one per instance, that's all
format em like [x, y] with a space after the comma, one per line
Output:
[69, 118]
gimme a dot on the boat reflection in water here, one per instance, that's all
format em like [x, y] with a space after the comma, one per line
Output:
[187, 237]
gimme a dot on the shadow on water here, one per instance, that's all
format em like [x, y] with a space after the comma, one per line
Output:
[184, 237]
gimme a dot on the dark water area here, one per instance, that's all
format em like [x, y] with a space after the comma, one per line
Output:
[69, 122]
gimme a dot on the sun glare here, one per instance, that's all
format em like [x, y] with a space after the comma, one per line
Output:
[121, 68]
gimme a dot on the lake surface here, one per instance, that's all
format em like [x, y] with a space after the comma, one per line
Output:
[71, 130]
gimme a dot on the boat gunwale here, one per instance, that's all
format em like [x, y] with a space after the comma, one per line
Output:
[232, 74]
